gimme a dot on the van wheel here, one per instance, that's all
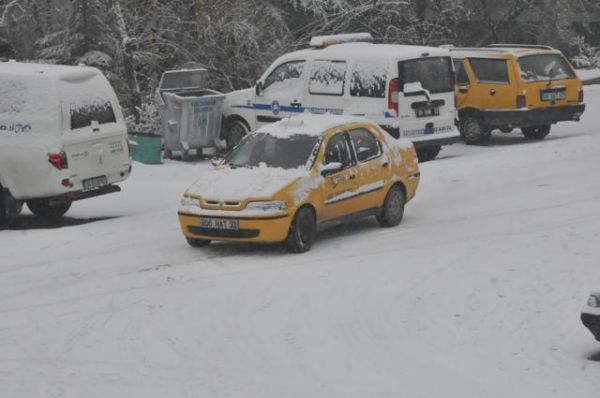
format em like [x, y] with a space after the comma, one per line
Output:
[303, 231]
[393, 208]
[194, 242]
[44, 208]
[236, 130]
[474, 132]
[429, 153]
[3, 210]
[536, 133]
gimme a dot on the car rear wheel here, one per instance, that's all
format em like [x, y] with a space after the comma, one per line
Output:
[303, 231]
[393, 208]
[195, 242]
[474, 132]
[45, 208]
[536, 133]
[236, 130]
[429, 153]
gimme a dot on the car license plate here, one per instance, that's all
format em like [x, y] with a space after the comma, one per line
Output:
[94, 183]
[553, 95]
[219, 223]
[427, 112]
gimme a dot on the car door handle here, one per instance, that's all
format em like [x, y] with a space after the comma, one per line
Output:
[492, 92]
[463, 90]
[296, 104]
[384, 165]
[352, 176]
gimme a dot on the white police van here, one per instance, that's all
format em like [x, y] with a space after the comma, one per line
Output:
[407, 90]
[62, 138]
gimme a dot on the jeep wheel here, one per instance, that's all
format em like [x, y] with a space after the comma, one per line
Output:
[236, 130]
[474, 132]
[303, 231]
[393, 208]
[536, 133]
[429, 153]
[194, 242]
[45, 208]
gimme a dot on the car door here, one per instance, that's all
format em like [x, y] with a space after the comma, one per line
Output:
[281, 93]
[462, 84]
[339, 191]
[373, 168]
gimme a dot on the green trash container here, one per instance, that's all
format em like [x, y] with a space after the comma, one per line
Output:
[146, 148]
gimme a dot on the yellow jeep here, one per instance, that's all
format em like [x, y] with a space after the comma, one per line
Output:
[508, 86]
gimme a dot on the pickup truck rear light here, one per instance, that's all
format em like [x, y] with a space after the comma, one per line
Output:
[393, 92]
[521, 101]
[581, 96]
[58, 160]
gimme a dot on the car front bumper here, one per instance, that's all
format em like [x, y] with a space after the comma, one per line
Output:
[532, 117]
[592, 322]
[270, 229]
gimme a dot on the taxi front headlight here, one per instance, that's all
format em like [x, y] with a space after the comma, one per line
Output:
[189, 201]
[594, 301]
[272, 205]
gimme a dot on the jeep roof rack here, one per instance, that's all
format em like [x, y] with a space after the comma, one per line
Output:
[541, 47]
[324, 41]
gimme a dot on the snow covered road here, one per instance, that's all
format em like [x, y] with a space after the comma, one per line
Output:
[476, 294]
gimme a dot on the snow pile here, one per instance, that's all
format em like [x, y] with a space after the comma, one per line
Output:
[308, 124]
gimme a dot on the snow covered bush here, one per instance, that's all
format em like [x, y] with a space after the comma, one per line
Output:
[149, 120]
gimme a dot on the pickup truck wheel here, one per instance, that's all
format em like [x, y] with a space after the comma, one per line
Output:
[536, 133]
[44, 208]
[429, 153]
[474, 132]
[236, 130]
[303, 231]
[194, 242]
[393, 208]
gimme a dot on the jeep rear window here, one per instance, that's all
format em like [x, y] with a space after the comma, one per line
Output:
[490, 70]
[434, 74]
[535, 68]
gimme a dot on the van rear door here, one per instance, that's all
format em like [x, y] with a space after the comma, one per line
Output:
[426, 104]
[94, 132]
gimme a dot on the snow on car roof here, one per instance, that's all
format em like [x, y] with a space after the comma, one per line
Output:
[59, 72]
[309, 124]
[498, 52]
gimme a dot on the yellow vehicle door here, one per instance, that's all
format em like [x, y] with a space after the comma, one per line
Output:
[339, 196]
[373, 168]
[492, 88]
[462, 83]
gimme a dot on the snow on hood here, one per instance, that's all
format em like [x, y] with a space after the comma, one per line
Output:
[224, 183]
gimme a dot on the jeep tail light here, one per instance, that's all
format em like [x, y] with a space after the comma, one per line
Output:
[521, 101]
[581, 95]
[59, 160]
[393, 92]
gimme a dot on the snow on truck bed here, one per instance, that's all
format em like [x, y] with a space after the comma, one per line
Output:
[476, 294]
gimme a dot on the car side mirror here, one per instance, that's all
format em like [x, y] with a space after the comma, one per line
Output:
[217, 161]
[331, 168]
[259, 87]
[416, 88]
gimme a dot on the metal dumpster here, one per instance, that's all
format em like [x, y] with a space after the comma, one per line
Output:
[190, 114]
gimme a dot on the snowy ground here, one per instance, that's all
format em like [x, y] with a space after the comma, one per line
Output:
[476, 294]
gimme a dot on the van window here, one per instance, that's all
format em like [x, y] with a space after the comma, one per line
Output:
[365, 144]
[542, 67]
[368, 81]
[285, 77]
[434, 74]
[490, 70]
[328, 78]
[462, 78]
[82, 115]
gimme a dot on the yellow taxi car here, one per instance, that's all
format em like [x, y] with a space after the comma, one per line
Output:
[287, 178]
[508, 86]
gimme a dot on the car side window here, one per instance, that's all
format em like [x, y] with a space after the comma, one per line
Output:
[338, 150]
[462, 78]
[327, 78]
[490, 70]
[286, 76]
[366, 146]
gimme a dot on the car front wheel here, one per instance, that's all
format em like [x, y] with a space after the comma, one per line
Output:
[45, 208]
[393, 208]
[303, 231]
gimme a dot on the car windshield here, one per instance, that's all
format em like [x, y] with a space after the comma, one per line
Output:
[544, 67]
[280, 152]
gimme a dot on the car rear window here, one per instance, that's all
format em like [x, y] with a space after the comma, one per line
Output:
[545, 67]
[434, 74]
[490, 70]
[88, 101]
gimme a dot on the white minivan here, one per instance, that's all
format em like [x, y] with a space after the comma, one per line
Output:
[62, 138]
[407, 90]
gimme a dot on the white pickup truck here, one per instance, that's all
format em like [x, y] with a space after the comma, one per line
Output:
[62, 138]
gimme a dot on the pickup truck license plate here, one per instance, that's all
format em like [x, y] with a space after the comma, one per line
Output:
[94, 183]
[219, 223]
